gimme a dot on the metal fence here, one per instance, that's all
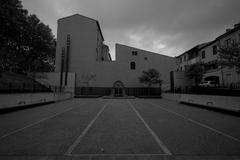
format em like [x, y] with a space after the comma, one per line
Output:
[106, 91]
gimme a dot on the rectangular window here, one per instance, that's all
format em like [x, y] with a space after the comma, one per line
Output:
[214, 50]
[239, 37]
[185, 58]
[203, 54]
[134, 53]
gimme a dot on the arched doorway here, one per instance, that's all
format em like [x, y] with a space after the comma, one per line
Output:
[118, 89]
[212, 78]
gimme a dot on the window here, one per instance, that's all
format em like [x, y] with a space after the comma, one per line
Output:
[239, 37]
[185, 58]
[145, 58]
[203, 54]
[227, 42]
[134, 53]
[133, 65]
[214, 50]
[180, 59]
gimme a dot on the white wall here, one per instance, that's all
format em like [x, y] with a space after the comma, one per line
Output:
[110, 72]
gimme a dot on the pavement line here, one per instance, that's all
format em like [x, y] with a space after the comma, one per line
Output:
[130, 155]
[159, 142]
[35, 123]
[78, 140]
[198, 123]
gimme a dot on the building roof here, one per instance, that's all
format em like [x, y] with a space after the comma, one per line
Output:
[144, 50]
[87, 18]
[208, 44]
[236, 28]
[199, 46]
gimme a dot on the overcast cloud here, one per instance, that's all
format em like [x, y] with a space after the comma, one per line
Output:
[168, 27]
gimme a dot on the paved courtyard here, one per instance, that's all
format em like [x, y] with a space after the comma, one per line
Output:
[119, 129]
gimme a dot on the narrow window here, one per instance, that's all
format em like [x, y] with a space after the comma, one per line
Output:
[203, 54]
[133, 65]
[180, 59]
[214, 50]
[227, 42]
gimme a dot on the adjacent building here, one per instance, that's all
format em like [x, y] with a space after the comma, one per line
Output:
[208, 54]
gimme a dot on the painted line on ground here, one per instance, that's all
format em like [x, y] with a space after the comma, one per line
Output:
[156, 138]
[115, 155]
[196, 122]
[42, 120]
[78, 140]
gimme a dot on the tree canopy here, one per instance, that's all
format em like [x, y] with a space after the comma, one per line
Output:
[150, 77]
[26, 44]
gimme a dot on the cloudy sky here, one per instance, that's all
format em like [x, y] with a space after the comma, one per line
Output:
[167, 27]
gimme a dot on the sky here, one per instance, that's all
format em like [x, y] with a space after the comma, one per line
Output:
[168, 27]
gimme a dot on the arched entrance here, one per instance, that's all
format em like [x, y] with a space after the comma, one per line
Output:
[212, 78]
[118, 89]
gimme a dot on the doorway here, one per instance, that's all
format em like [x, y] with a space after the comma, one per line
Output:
[118, 89]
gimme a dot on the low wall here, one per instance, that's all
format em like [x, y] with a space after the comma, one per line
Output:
[219, 102]
[18, 100]
[171, 96]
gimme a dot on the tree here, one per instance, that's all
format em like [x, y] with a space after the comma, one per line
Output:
[195, 72]
[229, 55]
[26, 44]
[150, 77]
[13, 20]
[40, 46]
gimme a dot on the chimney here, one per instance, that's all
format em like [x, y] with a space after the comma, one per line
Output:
[236, 25]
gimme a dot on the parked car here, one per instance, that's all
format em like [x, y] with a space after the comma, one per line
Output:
[208, 84]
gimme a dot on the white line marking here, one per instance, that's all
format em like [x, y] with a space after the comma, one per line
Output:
[35, 123]
[78, 140]
[130, 155]
[160, 143]
[198, 123]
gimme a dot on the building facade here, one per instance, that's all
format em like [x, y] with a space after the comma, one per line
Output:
[81, 50]
[208, 54]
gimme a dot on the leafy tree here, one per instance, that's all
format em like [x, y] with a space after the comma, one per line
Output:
[150, 77]
[229, 55]
[195, 72]
[40, 46]
[13, 19]
[26, 44]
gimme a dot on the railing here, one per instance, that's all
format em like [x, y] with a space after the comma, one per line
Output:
[106, 91]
